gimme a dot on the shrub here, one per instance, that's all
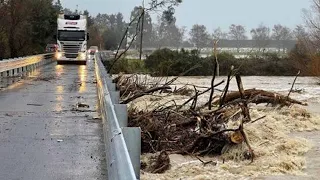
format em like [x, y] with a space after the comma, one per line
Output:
[165, 62]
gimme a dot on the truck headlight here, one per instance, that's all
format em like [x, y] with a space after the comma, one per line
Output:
[82, 56]
[58, 55]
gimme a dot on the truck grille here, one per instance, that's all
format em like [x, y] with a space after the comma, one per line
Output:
[71, 50]
[71, 55]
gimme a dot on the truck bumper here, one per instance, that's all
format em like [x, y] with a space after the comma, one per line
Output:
[71, 61]
[61, 59]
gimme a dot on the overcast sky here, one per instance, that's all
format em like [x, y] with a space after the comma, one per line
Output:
[212, 13]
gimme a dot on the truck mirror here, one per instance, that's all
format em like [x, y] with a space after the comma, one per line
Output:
[88, 37]
[55, 36]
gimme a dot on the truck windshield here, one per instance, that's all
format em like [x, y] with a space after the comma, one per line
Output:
[71, 35]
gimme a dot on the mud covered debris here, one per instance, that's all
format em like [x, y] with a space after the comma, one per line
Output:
[156, 163]
[82, 105]
[32, 104]
[189, 127]
[133, 87]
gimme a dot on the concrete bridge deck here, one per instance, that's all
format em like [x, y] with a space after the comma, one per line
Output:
[43, 134]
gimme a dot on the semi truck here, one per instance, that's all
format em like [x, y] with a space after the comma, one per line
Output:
[72, 36]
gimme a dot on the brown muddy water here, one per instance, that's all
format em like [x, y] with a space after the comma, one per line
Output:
[286, 142]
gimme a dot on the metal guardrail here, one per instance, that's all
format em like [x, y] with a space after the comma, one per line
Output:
[10, 67]
[123, 144]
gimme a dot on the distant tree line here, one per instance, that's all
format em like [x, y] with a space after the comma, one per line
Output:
[161, 33]
[305, 55]
[107, 30]
[27, 25]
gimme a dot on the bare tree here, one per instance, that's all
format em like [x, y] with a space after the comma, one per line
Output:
[219, 34]
[312, 19]
[281, 34]
[199, 36]
[261, 35]
[310, 42]
[153, 6]
[238, 33]
[300, 32]
[168, 33]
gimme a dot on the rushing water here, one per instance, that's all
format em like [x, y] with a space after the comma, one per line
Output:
[274, 162]
[309, 86]
[306, 89]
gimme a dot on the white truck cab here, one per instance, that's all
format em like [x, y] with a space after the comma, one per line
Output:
[72, 37]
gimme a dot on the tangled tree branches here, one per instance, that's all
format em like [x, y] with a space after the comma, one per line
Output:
[190, 127]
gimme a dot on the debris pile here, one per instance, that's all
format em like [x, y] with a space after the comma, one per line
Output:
[193, 128]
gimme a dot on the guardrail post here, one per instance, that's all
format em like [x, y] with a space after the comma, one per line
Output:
[4, 74]
[132, 136]
[115, 97]
[111, 86]
[122, 114]
[11, 72]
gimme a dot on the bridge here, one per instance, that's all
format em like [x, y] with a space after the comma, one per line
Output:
[64, 122]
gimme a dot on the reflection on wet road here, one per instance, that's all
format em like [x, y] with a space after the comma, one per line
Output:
[43, 133]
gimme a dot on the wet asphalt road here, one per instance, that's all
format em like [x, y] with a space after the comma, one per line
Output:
[44, 135]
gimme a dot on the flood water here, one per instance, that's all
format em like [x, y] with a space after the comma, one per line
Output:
[309, 86]
[306, 89]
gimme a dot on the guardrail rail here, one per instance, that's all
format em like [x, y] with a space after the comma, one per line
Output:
[122, 143]
[14, 66]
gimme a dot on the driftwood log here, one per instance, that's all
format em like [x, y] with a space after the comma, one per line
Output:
[258, 96]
